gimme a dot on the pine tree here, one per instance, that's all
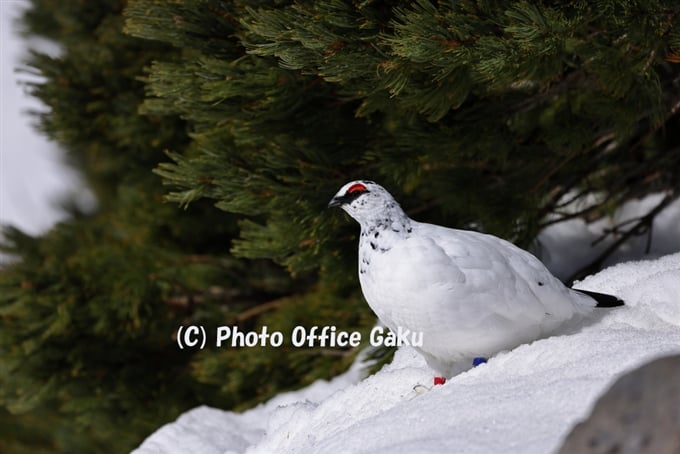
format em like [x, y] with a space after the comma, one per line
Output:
[490, 115]
[89, 310]
[544, 103]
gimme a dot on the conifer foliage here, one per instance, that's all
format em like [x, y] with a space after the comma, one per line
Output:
[540, 103]
[249, 115]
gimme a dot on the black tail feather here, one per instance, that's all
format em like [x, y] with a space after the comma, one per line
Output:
[603, 300]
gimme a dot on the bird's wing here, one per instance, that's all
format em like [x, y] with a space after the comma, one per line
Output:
[516, 284]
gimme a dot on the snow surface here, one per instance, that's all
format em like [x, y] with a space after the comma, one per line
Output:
[522, 401]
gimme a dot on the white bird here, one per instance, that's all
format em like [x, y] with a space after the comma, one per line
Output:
[470, 294]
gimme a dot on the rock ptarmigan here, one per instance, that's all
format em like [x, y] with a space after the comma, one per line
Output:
[471, 294]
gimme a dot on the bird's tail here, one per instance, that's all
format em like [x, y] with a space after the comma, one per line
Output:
[603, 300]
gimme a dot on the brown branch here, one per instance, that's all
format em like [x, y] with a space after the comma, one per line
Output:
[644, 224]
[602, 141]
[257, 310]
[582, 213]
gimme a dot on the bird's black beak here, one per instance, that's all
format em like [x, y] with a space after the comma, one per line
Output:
[337, 201]
[348, 197]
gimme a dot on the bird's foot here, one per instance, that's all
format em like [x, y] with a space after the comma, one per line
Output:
[421, 389]
[477, 361]
[440, 380]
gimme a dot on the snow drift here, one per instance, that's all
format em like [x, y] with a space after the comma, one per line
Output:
[522, 401]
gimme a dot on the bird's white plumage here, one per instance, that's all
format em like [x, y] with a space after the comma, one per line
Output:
[470, 294]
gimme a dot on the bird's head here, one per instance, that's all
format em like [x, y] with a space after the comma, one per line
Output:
[365, 201]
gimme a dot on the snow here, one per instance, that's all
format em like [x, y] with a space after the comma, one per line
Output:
[568, 246]
[522, 401]
[34, 179]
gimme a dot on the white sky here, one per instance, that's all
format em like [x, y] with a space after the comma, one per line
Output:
[32, 176]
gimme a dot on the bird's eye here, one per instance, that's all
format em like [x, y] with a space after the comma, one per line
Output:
[356, 188]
